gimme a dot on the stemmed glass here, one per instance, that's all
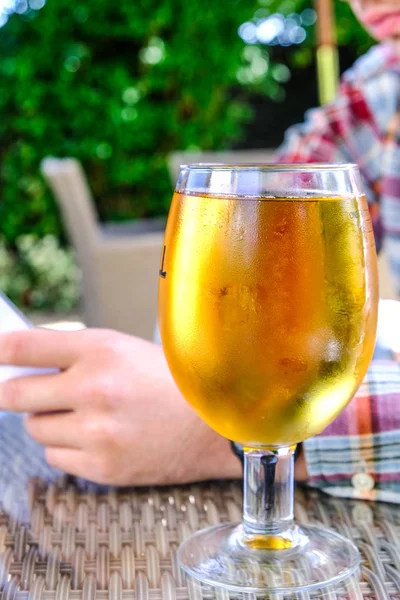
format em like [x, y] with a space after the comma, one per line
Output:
[267, 310]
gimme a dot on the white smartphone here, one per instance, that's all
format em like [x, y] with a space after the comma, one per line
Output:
[12, 319]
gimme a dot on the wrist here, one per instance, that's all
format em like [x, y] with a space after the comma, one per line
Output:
[217, 460]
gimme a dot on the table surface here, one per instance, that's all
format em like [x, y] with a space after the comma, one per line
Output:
[63, 538]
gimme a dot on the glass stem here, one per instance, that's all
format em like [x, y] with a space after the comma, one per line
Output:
[268, 491]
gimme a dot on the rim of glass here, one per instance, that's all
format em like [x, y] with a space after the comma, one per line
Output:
[270, 167]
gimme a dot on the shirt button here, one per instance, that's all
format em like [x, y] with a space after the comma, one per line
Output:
[363, 482]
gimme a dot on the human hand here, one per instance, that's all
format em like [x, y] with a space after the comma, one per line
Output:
[113, 414]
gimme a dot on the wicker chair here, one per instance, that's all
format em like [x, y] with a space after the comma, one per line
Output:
[119, 262]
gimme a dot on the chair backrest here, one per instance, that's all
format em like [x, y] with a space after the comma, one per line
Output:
[176, 159]
[68, 183]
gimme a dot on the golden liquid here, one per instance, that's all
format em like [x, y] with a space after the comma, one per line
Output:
[268, 311]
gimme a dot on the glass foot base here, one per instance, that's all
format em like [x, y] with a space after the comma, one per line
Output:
[222, 556]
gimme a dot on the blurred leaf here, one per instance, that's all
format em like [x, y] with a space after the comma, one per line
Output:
[118, 86]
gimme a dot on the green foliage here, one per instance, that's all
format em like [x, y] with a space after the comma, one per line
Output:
[119, 86]
[43, 277]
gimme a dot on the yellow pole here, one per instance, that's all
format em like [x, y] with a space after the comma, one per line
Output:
[327, 52]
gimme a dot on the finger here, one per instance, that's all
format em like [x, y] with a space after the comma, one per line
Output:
[38, 393]
[55, 429]
[40, 348]
[79, 463]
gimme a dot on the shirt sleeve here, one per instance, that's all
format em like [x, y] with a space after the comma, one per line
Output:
[358, 455]
[340, 132]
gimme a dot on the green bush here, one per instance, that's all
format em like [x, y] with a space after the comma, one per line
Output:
[119, 86]
[40, 275]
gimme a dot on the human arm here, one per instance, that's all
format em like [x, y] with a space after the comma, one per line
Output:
[343, 131]
[358, 455]
[113, 415]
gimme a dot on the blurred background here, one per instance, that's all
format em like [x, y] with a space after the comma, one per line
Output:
[120, 87]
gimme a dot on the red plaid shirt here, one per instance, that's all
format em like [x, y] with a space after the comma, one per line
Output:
[359, 454]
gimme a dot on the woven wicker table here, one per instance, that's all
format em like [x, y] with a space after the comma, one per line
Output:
[62, 538]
